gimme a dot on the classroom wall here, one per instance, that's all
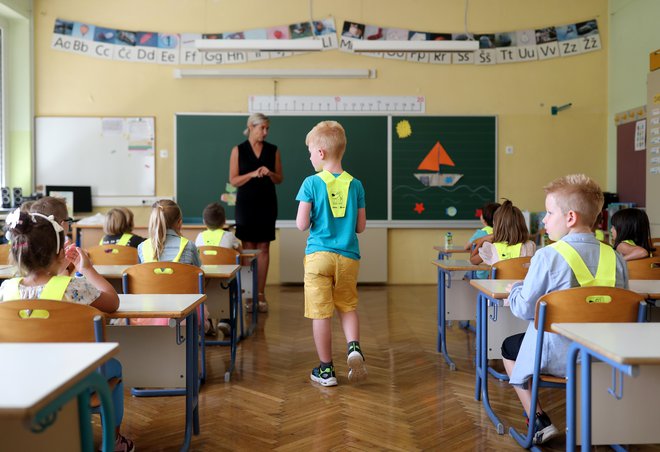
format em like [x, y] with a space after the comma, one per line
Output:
[545, 146]
[634, 34]
[15, 19]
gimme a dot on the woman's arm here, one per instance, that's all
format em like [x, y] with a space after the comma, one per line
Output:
[302, 218]
[238, 179]
[277, 177]
[631, 252]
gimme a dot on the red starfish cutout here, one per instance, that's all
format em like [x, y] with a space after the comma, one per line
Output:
[419, 207]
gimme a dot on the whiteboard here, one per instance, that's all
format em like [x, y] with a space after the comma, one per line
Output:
[115, 156]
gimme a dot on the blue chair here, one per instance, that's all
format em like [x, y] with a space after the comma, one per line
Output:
[577, 305]
[60, 321]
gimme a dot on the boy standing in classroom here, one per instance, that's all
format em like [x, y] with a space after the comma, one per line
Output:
[575, 259]
[332, 205]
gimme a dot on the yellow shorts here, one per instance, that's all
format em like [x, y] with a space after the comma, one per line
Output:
[330, 282]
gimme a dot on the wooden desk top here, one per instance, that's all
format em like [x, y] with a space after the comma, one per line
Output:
[173, 306]
[459, 265]
[210, 271]
[451, 250]
[494, 288]
[7, 271]
[649, 287]
[625, 343]
[35, 374]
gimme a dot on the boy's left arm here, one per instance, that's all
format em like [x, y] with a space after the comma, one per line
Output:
[361, 224]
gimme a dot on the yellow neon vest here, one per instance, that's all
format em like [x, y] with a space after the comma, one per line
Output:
[506, 251]
[53, 290]
[487, 229]
[123, 240]
[148, 250]
[599, 234]
[605, 273]
[212, 238]
[629, 242]
[337, 188]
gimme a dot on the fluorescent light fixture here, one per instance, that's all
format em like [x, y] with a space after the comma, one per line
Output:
[274, 73]
[259, 45]
[414, 46]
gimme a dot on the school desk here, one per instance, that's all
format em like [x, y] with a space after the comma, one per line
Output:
[38, 384]
[446, 252]
[625, 416]
[455, 298]
[490, 308]
[7, 271]
[249, 286]
[155, 356]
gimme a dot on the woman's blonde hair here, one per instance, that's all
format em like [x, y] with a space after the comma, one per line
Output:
[509, 225]
[165, 214]
[115, 222]
[254, 120]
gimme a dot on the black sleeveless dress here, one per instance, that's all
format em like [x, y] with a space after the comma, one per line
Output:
[256, 200]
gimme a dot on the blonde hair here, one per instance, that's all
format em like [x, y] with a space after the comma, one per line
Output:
[164, 215]
[49, 205]
[129, 218]
[254, 120]
[115, 222]
[579, 193]
[330, 136]
[509, 224]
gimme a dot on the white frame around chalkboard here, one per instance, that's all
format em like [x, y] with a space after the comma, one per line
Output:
[110, 154]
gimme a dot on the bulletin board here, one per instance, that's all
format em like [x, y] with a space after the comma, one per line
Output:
[113, 155]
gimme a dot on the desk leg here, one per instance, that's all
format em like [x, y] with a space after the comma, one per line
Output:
[585, 363]
[255, 295]
[571, 383]
[483, 364]
[233, 310]
[192, 381]
[477, 359]
[442, 329]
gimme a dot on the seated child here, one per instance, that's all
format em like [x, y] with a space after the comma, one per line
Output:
[39, 252]
[50, 205]
[510, 237]
[598, 233]
[118, 227]
[214, 220]
[486, 218]
[631, 233]
[572, 203]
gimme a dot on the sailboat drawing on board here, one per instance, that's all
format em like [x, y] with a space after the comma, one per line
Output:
[436, 157]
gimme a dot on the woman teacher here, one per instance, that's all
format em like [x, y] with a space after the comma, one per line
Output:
[254, 168]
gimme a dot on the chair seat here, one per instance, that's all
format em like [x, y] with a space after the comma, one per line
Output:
[552, 379]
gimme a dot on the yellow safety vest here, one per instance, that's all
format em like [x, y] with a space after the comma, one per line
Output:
[600, 235]
[212, 238]
[605, 273]
[629, 242]
[487, 229]
[148, 250]
[123, 240]
[337, 188]
[53, 290]
[506, 251]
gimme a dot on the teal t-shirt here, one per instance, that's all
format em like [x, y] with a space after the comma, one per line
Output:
[327, 233]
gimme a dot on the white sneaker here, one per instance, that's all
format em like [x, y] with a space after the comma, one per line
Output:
[357, 370]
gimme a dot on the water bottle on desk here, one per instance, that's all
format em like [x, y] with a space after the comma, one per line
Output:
[448, 240]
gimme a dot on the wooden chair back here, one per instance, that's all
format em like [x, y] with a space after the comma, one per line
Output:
[655, 241]
[515, 268]
[648, 268]
[218, 255]
[113, 255]
[50, 321]
[163, 277]
[589, 304]
[5, 249]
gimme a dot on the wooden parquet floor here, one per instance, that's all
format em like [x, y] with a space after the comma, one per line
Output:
[411, 400]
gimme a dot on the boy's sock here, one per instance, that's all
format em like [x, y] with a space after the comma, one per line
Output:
[324, 374]
[357, 370]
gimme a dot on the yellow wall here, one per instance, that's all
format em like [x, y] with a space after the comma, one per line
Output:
[521, 94]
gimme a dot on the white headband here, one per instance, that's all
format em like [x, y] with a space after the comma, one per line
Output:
[13, 219]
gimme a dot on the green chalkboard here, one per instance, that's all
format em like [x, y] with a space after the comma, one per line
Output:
[204, 143]
[443, 192]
